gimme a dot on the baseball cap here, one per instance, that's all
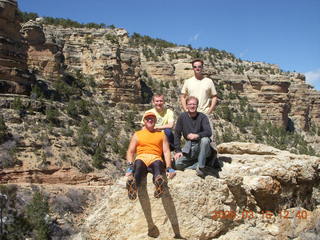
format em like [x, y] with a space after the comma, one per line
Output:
[149, 114]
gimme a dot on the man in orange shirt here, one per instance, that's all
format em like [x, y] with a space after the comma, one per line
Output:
[149, 145]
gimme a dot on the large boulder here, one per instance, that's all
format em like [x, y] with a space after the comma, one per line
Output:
[262, 193]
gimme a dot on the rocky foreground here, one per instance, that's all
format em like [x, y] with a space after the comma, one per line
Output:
[261, 193]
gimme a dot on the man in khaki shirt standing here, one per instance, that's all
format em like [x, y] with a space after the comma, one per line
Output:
[200, 87]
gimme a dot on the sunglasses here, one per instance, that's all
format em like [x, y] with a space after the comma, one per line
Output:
[149, 119]
[197, 66]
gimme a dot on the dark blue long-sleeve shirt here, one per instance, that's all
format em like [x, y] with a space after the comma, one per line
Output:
[185, 125]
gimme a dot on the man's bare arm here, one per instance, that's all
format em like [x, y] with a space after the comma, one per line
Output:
[132, 149]
[169, 125]
[213, 104]
[183, 98]
[166, 152]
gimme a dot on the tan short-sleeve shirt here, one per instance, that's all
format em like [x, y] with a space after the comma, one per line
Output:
[203, 89]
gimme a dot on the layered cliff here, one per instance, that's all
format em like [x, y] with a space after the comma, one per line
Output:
[117, 62]
[14, 74]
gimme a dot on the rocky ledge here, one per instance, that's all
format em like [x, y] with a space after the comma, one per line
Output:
[262, 193]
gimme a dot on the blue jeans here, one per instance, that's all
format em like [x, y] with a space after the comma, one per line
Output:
[197, 156]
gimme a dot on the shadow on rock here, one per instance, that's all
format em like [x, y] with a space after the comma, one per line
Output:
[168, 206]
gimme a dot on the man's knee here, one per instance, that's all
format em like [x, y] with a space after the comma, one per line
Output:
[158, 165]
[178, 165]
[205, 141]
[138, 164]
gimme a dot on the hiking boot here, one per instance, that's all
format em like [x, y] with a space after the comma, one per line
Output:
[200, 172]
[153, 232]
[132, 188]
[159, 183]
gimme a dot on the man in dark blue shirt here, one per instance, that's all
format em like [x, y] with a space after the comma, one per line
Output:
[195, 128]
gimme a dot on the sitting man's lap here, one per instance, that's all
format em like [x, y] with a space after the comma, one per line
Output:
[196, 156]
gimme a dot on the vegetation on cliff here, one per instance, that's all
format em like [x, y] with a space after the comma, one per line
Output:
[67, 23]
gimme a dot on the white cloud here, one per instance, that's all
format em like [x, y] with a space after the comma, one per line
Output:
[313, 78]
[195, 37]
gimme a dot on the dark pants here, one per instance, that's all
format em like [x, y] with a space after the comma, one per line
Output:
[141, 170]
[170, 138]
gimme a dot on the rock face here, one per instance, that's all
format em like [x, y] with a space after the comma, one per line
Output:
[281, 98]
[104, 55]
[44, 58]
[262, 192]
[305, 104]
[14, 75]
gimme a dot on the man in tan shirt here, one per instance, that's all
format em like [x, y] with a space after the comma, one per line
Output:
[200, 87]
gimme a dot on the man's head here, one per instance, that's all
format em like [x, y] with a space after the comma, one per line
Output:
[197, 66]
[149, 120]
[158, 102]
[192, 104]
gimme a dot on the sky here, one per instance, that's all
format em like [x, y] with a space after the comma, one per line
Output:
[282, 32]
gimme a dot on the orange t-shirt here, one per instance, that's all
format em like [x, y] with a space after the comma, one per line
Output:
[150, 142]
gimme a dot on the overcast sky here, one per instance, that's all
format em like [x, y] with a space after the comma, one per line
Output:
[282, 32]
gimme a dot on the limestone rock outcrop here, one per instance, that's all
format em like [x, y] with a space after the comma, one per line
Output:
[104, 55]
[116, 67]
[262, 192]
[305, 103]
[14, 74]
[279, 97]
[44, 58]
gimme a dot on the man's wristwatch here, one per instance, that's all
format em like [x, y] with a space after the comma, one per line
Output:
[170, 170]
[130, 167]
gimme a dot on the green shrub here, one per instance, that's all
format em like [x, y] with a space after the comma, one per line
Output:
[83, 107]
[85, 138]
[73, 201]
[68, 132]
[37, 212]
[137, 40]
[65, 90]
[123, 148]
[83, 166]
[227, 135]
[26, 16]
[15, 226]
[112, 38]
[98, 158]
[174, 83]
[52, 115]
[8, 157]
[72, 109]
[70, 23]
[3, 130]
[17, 104]
[130, 124]
[37, 92]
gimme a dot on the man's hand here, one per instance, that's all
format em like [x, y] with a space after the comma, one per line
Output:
[178, 155]
[129, 171]
[157, 129]
[192, 136]
[171, 173]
